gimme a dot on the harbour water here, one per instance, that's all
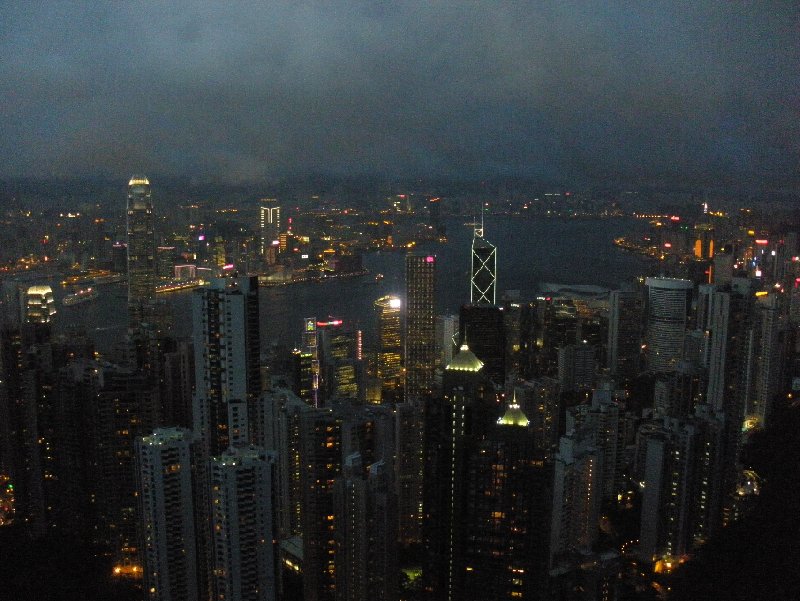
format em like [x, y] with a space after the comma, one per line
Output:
[529, 251]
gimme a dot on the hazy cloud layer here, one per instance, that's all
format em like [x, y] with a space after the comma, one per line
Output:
[704, 91]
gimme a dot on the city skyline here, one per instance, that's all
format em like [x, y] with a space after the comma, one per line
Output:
[424, 455]
[415, 302]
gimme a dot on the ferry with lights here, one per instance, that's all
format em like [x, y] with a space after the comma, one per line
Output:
[81, 296]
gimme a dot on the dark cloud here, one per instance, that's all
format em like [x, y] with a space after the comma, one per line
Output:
[701, 91]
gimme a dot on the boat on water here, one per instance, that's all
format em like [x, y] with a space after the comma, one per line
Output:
[95, 276]
[182, 285]
[112, 278]
[81, 296]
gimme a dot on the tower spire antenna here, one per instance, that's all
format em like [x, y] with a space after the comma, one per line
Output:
[477, 232]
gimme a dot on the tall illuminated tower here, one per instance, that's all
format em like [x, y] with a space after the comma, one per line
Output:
[389, 345]
[141, 248]
[420, 348]
[269, 222]
[420, 325]
[483, 273]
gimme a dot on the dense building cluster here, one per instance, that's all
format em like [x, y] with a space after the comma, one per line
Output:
[572, 446]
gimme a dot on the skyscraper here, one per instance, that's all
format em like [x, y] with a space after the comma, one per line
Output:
[166, 515]
[420, 325]
[420, 367]
[141, 248]
[483, 274]
[455, 425]
[669, 303]
[328, 436]
[269, 222]
[681, 501]
[243, 552]
[365, 510]
[39, 305]
[483, 329]
[506, 515]
[341, 369]
[226, 345]
[127, 409]
[624, 333]
[390, 349]
[446, 339]
[228, 381]
[577, 492]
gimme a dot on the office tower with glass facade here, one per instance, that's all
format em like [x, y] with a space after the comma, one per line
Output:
[506, 514]
[483, 272]
[390, 349]
[166, 515]
[455, 425]
[446, 339]
[269, 221]
[420, 364]
[483, 330]
[624, 333]
[141, 248]
[341, 368]
[420, 340]
[669, 302]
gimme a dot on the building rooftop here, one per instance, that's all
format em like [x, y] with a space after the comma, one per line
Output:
[465, 360]
[514, 416]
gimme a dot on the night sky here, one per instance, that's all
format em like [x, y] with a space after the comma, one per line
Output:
[702, 92]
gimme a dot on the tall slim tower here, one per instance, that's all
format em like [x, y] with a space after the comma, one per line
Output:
[269, 222]
[669, 302]
[483, 273]
[228, 382]
[164, 484]
[420, 325]
[389, 346]
[420, 347]
[141, 248]
[624, 333]
[226, 346]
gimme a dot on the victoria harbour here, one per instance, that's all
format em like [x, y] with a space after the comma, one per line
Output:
[536, 251]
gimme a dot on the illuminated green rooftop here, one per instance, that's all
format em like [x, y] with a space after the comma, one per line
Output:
[465, 360]
[514, 416]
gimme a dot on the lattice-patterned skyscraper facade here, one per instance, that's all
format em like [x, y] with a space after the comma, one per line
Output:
[483, 273]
